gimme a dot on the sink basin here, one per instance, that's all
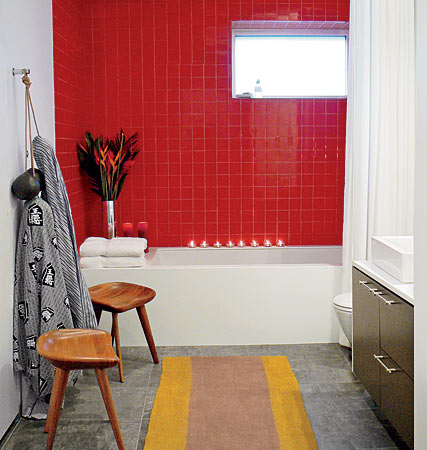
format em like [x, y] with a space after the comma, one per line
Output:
[395, 255]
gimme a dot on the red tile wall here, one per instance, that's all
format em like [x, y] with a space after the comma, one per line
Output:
[212, 167]
[74, 105]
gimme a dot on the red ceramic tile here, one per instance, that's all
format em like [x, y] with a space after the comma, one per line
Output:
[211, 167]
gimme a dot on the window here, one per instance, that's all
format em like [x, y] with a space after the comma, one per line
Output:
[268, 63]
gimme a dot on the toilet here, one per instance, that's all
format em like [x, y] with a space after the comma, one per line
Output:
[343, 306]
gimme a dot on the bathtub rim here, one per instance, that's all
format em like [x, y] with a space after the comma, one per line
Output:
[152, 253]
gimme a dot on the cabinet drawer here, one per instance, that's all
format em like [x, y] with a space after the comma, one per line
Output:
[397, 399]
[366, 340]
[397, 330]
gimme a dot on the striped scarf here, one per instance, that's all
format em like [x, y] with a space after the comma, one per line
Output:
[56, 196]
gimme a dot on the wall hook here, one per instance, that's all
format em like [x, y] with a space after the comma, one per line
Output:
[20, 71]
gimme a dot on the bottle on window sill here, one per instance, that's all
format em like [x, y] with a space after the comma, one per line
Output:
[258, 89]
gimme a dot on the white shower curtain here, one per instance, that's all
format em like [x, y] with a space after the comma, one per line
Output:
[379, 192]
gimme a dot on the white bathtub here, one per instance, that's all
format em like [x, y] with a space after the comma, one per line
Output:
[233, 296]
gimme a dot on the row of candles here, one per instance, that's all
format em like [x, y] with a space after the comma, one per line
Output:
[240, 244]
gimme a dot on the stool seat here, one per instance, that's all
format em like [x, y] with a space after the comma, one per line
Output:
[77, 349]
[120, 297]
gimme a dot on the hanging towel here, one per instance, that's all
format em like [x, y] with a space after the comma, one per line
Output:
[56, 196]
[40, 302]
[121, 246]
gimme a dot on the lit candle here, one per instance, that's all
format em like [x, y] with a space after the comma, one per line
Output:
[217, 244]
[241, 244]
[204, 244]
[267, 243]
[280, 243]
[143, 232]
[127, 229]
[229, 244]
[191, 244]
[254, 243]
[143, 229]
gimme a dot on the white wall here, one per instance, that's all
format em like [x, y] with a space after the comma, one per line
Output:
[421, 226]
[25, 41]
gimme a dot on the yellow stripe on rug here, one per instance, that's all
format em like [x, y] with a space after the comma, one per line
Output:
[292, 424]
[168, 422]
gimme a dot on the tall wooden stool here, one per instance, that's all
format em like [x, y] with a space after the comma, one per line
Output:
[76, 350]
[118, 297]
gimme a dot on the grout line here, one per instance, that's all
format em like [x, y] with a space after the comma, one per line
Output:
[343, 355]
[143, 407]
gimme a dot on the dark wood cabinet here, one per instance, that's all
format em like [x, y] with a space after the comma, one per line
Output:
[397, 332]
[366, 314]
[383, 350]
[397, 400]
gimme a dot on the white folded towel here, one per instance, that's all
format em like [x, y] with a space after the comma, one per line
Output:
[126, 246]
[99, 262]
[93, 246]
[122, 246]
[91, 262]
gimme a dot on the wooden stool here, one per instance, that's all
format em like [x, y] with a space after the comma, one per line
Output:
[120, 297]
[76, 350]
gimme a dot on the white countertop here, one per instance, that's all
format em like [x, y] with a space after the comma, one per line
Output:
[404, 290]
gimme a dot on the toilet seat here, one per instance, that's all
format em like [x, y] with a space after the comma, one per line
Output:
[345, 310]
[344, 302]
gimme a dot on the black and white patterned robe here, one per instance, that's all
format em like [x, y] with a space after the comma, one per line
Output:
[56, 195]
[40, 298]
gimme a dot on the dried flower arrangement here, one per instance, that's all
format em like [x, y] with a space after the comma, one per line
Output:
[107, 162]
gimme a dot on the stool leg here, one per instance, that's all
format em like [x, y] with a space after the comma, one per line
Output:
[116, 337]
[55, 405]
[104, 386]
[113, 330]
[143, 318]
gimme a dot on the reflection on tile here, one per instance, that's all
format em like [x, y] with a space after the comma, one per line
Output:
[87, 404]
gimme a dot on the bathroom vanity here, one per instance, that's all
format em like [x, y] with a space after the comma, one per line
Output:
[383, 343]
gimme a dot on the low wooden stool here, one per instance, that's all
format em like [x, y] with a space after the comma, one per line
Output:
[118, 297]
[78, 349]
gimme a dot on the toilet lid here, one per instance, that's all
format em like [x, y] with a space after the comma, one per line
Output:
[344, 300]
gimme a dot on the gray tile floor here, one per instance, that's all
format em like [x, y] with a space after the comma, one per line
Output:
[342, 414]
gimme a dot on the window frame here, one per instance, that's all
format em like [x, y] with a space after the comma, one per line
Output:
[235, 32]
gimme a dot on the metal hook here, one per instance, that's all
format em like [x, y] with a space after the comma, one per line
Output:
[20, 71]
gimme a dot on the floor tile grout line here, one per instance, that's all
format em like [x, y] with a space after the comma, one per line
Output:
[143, 407]
[342, 353]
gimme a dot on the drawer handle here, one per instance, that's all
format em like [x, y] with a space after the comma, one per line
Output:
[392, 370]
[365, 283]
[380, 294]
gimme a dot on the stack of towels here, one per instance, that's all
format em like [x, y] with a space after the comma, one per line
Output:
[97, 252]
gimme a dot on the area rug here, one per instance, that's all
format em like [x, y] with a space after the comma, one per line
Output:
[229, 403]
